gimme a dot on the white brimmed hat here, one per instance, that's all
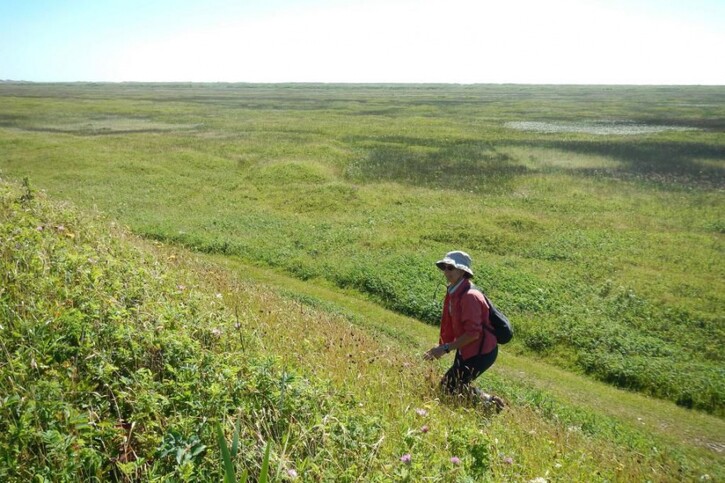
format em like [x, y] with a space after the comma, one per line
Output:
[460, 260]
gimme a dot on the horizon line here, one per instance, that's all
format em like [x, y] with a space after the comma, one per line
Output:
[369, 83]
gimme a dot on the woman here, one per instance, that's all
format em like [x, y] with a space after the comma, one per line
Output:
[465, 328]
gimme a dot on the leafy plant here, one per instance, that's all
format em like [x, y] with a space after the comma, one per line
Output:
[182, 449]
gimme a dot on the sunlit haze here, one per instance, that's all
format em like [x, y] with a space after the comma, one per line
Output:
[427, 41]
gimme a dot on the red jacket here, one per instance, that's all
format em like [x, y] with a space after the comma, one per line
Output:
[466, 311]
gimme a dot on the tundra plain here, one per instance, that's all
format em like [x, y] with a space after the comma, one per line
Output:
[594, 216]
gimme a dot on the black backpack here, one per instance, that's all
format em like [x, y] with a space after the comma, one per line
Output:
[502, 328]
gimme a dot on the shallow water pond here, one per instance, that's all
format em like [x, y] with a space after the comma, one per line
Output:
[601, 127]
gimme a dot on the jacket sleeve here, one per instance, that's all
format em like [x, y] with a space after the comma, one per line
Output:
[473, 312]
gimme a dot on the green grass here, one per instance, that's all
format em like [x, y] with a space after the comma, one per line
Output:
[606, 251]
[117, 368]
[121, 358]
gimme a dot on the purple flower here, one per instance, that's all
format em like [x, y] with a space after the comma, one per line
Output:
[292, 474]
[456, 460]
[508, 460]
[421, 412]
[424, 428]
[406, 458]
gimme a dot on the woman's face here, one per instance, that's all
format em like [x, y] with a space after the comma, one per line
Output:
[452, 274]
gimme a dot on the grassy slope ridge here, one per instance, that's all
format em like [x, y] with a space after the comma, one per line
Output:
[113, 368]
[606, 250]
[116, 365]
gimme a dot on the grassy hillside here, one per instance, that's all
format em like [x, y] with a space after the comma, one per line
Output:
[115, 367]
[600, 233]
[119, 358]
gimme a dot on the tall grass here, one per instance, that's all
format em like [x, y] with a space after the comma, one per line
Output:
[117, 368]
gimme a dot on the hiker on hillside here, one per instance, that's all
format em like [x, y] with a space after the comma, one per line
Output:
[465, 329]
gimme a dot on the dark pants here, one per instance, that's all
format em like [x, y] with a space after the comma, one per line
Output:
[459, 377]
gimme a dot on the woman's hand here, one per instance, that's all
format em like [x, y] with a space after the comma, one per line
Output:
[434, 353]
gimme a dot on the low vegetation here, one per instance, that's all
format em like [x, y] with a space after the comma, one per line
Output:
[605, 247]
[115, 368]
[120, 359]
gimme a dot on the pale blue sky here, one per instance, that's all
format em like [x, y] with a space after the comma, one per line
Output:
[457, 41]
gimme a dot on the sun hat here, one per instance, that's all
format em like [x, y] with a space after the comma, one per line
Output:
[458, 259]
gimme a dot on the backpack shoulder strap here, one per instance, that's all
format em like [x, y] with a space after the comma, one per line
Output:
[485, 327]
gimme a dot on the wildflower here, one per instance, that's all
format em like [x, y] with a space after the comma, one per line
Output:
[216, 332]
[292, 474]
[456, 460]
[508, 460]
[421, 412]
[424, 429]
[406, 458]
